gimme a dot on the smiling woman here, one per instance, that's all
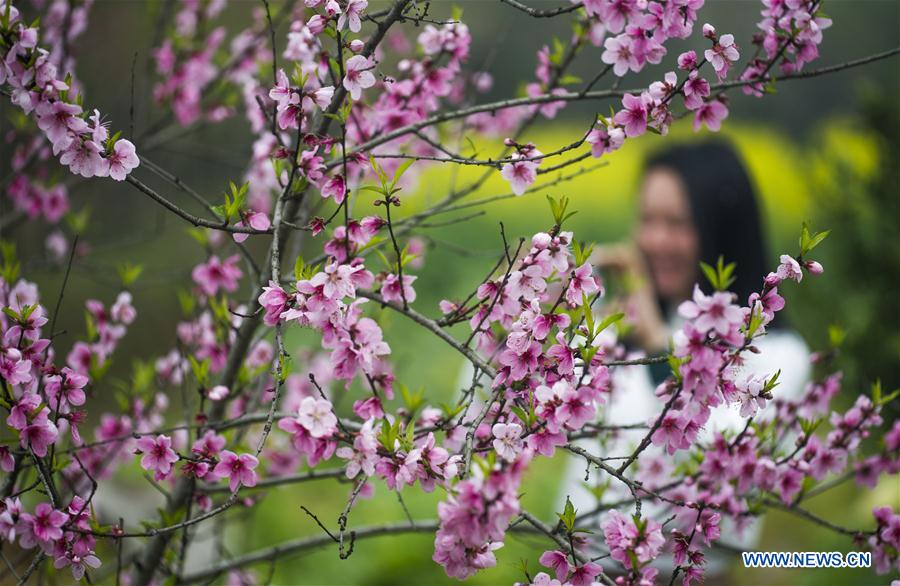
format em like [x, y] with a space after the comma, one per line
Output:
[696, 205]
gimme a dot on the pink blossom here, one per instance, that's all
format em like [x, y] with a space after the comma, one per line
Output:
[584, 575]
[317, 416]
[507, 440]
[605, 140]
[660, 90]
[789, 483]
[256, 220]
[714, 312]
[750, 397]
[44, 526]
[238, 469]
[557, 561]
[216, 274]
[634, 116]
[122, 310]
[620, 54]
[83, 158]
[364, 453]
[217, 393]
[722, 55]
[122, 159]
[13, 368]
[670, 433]
[390, 290]
[625, 539]
[695, 89]
[813, 267]
[789, 269]
[39, 434]
[520, 174]
[60, 121]
[544, 579]
[67, 388]
[352, 12]
[357, 75]
[78, 563]
[711, 114]
[158, 455]
[274, 302]
[687, 60]
[581, 282]
[335, 188]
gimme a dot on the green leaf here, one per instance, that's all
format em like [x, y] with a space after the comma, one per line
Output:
[568, 516]
[187, 301]
[200, 369]
[588, 314]
[836, 335]
[78, 221]
[569, 80]
[582, 252]
[809, 241]
[199, 234]
[520, 413]
[400, 171]
[771, 383]
[721, 277]
[608, 321]
[372, 188]
[129, 273]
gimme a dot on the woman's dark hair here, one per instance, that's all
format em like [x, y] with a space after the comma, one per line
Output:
[724, 208]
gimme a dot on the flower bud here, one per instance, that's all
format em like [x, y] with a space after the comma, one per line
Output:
[813, 267]
[316, 24]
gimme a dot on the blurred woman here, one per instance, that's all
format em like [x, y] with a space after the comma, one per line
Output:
[696, 203]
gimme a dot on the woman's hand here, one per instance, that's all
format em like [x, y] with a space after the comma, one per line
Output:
[650, 331]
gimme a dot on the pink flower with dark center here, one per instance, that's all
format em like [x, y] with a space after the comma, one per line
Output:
[695, 89]
[238, 469]
[722, 55]
[605, 140]
[357, 76]
[256, 220]
[158, 455]
[79, 563]
[670, 433]
[83, 158]
[620, 54]
[584, 575]
[335, 188]
[581, 282]
[39, 434]
[521, 174]
[558, 562]
[687, 60]
[390, 290]
[713, 312]
[44, 526]
[634, 117]
[351, 14]
[711, 114]
[274, 302]
[216, 274]
[60, 121]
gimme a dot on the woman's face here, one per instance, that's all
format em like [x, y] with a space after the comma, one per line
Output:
[666, 235]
